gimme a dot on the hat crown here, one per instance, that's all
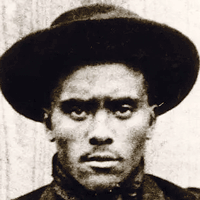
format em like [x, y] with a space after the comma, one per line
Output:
[93, 12]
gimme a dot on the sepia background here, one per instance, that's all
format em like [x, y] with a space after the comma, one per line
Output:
[25, 152]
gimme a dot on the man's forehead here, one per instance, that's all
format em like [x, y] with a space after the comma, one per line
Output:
[103, 81]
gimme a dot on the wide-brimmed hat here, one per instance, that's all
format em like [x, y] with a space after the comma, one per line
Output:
[98, 34]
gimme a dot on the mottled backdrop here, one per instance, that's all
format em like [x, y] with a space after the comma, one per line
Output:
[25, 153]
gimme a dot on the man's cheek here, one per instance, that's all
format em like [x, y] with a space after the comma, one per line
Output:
[69, 147]
[63, 131]
[66, 151]
[134, 141]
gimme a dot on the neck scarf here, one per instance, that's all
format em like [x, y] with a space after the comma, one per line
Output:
[66, 187]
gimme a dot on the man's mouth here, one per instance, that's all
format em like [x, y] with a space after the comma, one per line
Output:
[101, 160]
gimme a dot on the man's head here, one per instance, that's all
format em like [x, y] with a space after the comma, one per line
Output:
[100, 120]
[114, 68]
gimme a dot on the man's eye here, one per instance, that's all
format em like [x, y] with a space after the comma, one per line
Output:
[123, 112]
[78, 114]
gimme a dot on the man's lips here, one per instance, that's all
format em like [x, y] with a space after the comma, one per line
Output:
[101, 160]
[101, 157]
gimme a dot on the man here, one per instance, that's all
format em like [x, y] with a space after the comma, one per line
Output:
[98, 78]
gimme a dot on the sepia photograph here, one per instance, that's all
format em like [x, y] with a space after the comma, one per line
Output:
[99, 100]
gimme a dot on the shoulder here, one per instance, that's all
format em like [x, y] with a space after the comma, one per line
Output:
[34, 195]
[43, 193]
[174, 192]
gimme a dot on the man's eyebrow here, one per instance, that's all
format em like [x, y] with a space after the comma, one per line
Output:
[127, 100]
[88, 104]
[124, 100]
[78, 101]
[94, 103]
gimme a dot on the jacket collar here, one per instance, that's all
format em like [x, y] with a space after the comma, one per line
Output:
[150, 191]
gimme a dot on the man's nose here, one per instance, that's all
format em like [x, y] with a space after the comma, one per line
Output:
[101, 133]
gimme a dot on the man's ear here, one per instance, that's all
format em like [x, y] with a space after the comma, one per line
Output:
[47, 118]
[152, 121]
[47, 123]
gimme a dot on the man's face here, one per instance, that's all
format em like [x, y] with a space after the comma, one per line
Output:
[100, 121]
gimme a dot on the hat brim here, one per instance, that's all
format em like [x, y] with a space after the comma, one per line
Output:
[30, 68]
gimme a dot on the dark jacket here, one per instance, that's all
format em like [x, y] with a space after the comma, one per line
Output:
[153, 188]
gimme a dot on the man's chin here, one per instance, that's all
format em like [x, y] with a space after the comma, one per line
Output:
[101, 183]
